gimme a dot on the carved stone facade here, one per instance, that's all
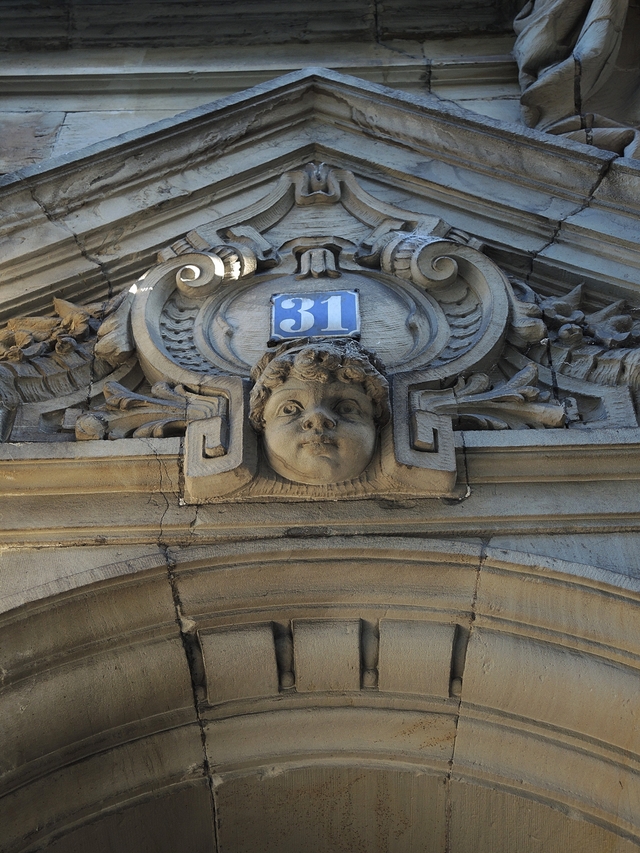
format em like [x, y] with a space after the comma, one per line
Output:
[319, 465]
[463, 347]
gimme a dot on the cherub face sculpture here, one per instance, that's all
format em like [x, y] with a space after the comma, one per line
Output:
[319, 407]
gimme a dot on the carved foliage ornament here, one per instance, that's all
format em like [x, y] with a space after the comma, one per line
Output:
[319, 344]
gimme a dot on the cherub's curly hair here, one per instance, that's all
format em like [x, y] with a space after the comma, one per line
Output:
[319, 360]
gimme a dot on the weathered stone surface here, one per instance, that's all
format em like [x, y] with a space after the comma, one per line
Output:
[27, 574]
[323, 675]
[172, 22]
[84, 695]
[240, 663]
[80, 129]
[414, 657]
[488, 508]
[101, 786]
[409, 737]
[326, 655]
[352, 811]
[538, 827]
[153, 826]
[505, 109]
[618, 553]
[28, 137]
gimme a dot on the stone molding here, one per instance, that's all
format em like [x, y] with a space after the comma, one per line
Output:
[506, 492]
[177, 25]
[151, 72]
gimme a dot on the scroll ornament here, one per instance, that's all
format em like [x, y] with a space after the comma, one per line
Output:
[600, 345]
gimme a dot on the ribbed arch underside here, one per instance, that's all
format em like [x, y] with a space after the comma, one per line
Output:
[360, 693]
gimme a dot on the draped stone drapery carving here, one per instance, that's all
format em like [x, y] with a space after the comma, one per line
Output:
[579, 71]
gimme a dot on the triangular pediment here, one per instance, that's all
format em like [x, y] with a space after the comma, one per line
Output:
[503, 251]
[89, 224]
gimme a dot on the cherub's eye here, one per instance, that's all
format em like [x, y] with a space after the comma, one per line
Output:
[347, 407]
[291, 407]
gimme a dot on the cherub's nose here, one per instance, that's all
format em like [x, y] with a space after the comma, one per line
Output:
[319, 418]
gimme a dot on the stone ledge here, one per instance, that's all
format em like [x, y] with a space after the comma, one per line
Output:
[152, 465]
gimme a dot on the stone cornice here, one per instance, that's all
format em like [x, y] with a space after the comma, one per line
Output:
[157, 71]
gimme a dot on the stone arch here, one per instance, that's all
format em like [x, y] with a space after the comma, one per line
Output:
[374, 693]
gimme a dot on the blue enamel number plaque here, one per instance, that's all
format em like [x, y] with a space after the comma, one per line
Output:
[334, 313]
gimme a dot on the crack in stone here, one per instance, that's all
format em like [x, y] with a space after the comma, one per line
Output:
[82, 249]
[398, 50]
[180, 493]
[164, 476]
[577, 89]
[604, 171]
[554, 377]
[197, 674]
[428, 66]
[194, 522]
[451, 762]
[92, 260]
[467, 493]
[602, 174]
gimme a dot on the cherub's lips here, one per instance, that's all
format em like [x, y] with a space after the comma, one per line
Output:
[319, 442]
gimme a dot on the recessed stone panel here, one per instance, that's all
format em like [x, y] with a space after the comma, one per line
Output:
[327, 654]
[415, 657]
[240, 663]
